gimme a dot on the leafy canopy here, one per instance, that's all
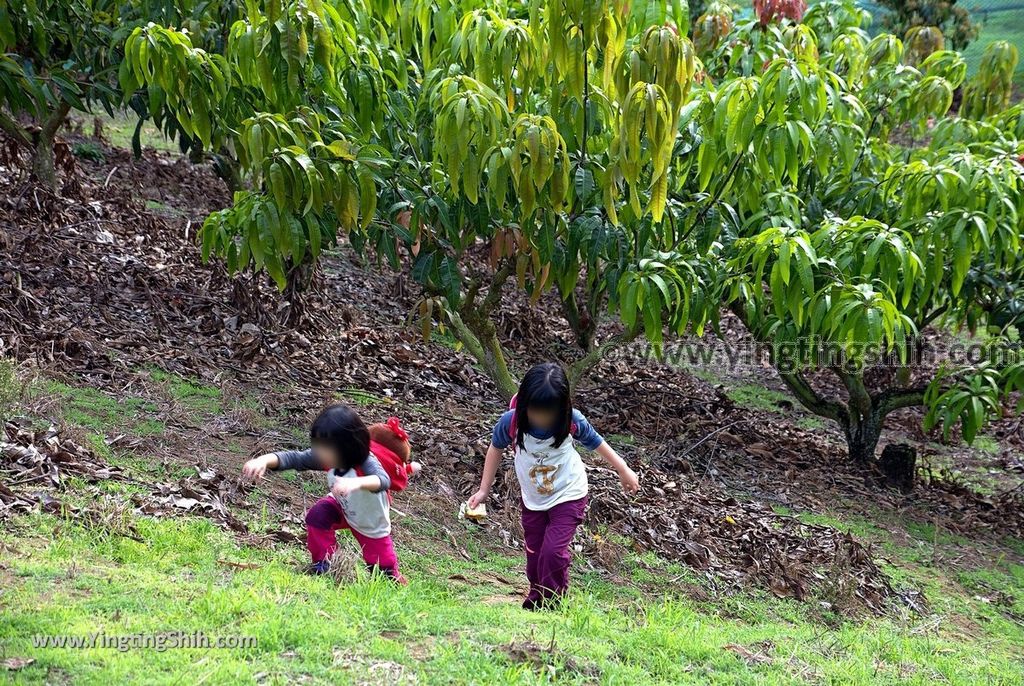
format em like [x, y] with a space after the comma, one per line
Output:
[591, 143]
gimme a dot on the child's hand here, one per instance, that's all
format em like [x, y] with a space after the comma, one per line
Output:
[415, 467]
[342, 487]
[628, 479]
[477, 498]
[255, 468]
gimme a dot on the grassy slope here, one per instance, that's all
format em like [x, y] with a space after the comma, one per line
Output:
[1005, 25]
[459, 621]
[79, 581]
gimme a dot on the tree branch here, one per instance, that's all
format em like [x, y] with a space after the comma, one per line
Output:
[467, 337]
[53, 122]
[859, 396]
[898, 398]
[810, 399]
[12, 129]
[498, 280]
[935, 314]
[583, 365]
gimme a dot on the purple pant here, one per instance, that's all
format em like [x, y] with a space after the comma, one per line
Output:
[326, 517]
[548, 534]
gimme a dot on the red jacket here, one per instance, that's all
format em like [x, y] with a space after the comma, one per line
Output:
[398, 470]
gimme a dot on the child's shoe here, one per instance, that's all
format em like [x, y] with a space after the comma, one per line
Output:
[319, 568]
[532, 601]
[389, 572]
[535, 601]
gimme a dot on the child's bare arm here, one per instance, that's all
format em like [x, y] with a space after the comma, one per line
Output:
[374, 479]
[255, 468]
[347, 485]
[491, 462]
[627, 477]
[281, 460]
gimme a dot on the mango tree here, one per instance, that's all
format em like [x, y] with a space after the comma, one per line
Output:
[581, 146]
[989, 91]
[563, 174]
[56, 56]
[841, 248]
[294, 97]
[539, 129]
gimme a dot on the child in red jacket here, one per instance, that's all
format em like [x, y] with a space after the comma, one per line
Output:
[360, 499]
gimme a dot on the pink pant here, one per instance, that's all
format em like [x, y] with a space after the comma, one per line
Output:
[548, 534]
[326, 517]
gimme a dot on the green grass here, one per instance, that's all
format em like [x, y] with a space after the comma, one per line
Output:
[758, 398]
[88, 150]
[120, 128]
[360, 397]
[704, 374]
[458, 621]
[986, 444]
[10, 388]
[190, 393]
[1005, 25]
[978, 475]
[812, 423]
[160, 208]
[444, 336]
[620, 439]
[98, 411]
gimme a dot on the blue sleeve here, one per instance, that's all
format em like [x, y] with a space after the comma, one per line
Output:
[500, 437]
[584, 432]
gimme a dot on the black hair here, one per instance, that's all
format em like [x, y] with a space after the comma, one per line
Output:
[545, 386]
[339, 427]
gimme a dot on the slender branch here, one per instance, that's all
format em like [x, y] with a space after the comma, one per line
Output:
[859, 396]
[12, 129]
[931, 317]
[714, 199]
[498, 280]
[867, 132]
[718, 191]
[586, 92]
[467, 337]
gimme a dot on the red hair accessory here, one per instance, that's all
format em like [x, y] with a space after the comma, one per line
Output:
[397, 430]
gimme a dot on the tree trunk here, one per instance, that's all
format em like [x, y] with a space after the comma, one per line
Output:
[481, 340]
[582, 367]
[862, 417]
[583, 325]
[43, 167]
[226, 168]
[300, 278]
[862, 436]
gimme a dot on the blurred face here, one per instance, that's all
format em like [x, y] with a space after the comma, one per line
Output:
[541, 418]
[326, 455]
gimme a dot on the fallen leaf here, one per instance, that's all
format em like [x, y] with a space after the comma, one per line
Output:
[750, 656]
[15, 663]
